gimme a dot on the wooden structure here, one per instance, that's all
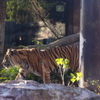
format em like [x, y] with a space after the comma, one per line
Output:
[2, 27]
[89, 40]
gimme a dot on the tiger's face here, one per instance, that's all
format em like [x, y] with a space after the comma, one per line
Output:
[7, 61]
[16, 58]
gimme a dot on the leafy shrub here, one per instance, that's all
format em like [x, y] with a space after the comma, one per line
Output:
[93, 85]
[11, 73]
[8, 74]
[72, 77]
[32, 76]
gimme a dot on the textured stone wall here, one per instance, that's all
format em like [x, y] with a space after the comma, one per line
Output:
[31, 90]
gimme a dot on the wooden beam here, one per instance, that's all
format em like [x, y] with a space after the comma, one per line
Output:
[90, 41]
[2, 26]
[68, 40]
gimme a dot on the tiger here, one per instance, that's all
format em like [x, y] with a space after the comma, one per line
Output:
[41, 63]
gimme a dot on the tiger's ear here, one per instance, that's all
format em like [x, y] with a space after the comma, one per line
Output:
[12, 51]
[9, 51]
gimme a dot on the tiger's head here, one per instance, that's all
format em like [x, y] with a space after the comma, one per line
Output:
[15, 57]
[7, 60]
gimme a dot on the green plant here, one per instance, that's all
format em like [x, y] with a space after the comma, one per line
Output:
[19, 11]
[22, 46]
[32, 76]
[75, 77]
[8, 74]
[93, 85]
[37, 42]
[64, 67]
[11, 73]
[63, 62]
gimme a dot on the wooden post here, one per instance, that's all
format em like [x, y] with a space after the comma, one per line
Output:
[2, 27]
[90, 40]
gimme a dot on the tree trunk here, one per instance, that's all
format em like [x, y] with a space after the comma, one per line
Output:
[68, 40]
[2, 27]
[89, 41]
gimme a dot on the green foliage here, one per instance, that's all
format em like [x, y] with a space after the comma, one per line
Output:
[18, 11]
[75, 77]
[11, 73]
[8, 74]
[63, 62]
[21, 11]
[32, 76]
[50, 7]
[22, 46]
[93, 85]
[37, 42]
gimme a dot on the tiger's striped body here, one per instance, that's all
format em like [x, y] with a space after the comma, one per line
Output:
[39, 62]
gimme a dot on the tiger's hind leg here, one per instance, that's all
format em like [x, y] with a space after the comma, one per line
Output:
[46, 78]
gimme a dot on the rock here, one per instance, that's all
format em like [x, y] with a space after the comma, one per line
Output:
[31, 90]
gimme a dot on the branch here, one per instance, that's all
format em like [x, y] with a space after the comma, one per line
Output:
[42, 15]
[68, 40]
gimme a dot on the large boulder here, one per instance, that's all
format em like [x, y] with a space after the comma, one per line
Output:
[31, 90]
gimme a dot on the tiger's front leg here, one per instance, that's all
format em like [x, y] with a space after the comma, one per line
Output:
[21, 75]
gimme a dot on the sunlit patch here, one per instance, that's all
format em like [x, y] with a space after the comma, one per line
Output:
[20, 38]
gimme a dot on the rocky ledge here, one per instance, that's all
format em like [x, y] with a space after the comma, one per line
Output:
[31, 90]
